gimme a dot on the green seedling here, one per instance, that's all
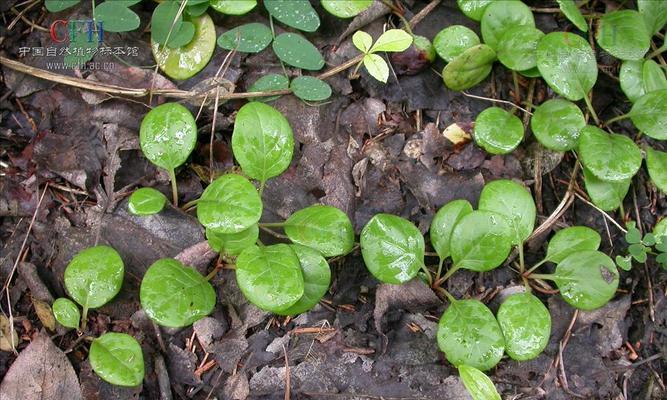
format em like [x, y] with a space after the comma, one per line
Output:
[248, 38]
[631, 77]
[654, 14]
[649, 114]
[298, 14]
[66, 313]
[626, 24]
[639, 247]
[316, 279]
[557, 124]
[526, 326]
[499, 17]
[513, 202]
[517, 47]
[232, 244]
[469, 68]
[230, 204]
[656, 163]
[309, 88]
[323, 228]
[146, 201]
[117, 358]
[571, 11]
[116, 16]
[653, 76]
[345, 8]
[452, 41]
[443, 224]
[269, 82]
[473, 9]
[478, 384]
[570, 240]
[480, 241]
[233, 7]
[295, 50]
[392, 40]
[607, 196]
[609, 156]
[168, 27]
[497, 131]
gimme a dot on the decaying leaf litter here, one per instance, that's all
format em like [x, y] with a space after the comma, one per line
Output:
[371, 148]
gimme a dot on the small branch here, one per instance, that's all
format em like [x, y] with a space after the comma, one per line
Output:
[497, 101]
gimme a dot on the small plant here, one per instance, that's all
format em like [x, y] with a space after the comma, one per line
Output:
[146, 201]
[639, 248]
[392, 40]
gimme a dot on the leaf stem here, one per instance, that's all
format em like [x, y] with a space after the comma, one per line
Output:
[549, 277]
[437, 275]
[271, 224]
[591, 109]
[447, 294]
[522, 264]
[617, 118]
[428, 274]
[659, 50]
[174, 189]
[190, 204]
[534, 267]
[84, 317]
[262, 184]
[446, 276]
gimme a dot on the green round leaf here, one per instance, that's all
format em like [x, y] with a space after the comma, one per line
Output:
[362, 41]
[610, 157]
[500, 16]
[116, 17]
[309, 88]
[146, 201]
[656, 161]
[232, 244]
[517, 47]
[94, 276]
[587, 279]
[174, 295]
[632, 79]
[571, 11]
[233, 7]
[653, 76]
[497, 131]
[473, 9]
[608, 196]
[557, 124]
[66, 313]
[297, 51]
[183, 36]
[654, 14]
[469, 334]
[443, 225]
[117, 358]
[298, 14]
[230, 204]
[268, 83]
[392, 40]
[168, 135]
[526, 326]
[623, 34]
[512, 201]
[165, 22]
[323, 228]
[571, 240]
[316, 278]
[452, 41]
[531, 73]
[649, 114]
[184, 62]
[249, 38]
[567, 63]
[377, 67]
[478, 384]
[481, 241]
[270, 277]
[262, 141]
[469, 68]
[660, 230]
[59, 5]
[346, 8]
[195, 10]
[392, 248]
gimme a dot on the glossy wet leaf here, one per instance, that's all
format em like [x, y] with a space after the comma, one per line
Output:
[473, 9]
[232, 244]
[362, 41]
[654, 14]
[656, 161]
[631, 77]
[116, 17]
[623, 34]
[230, 204]
[297, 51]
[146, 201]
[571, 11]
[609, 156]
[233, 7]
[478, 385]
[270, 277]
[660, 230]
[392, 40]
[649, 114]
[608, 196]
[624, 263]
[185, 62]
[500, 16]
[346, 8]
[517, 47]
[59, 5]
[168, 134]
[497, 131]
[571, 240]
[567, 63]
[452, 41]
[512, 201]
[117, 358]
[481, 241]
[469, 68]
[653, 76]
[377, 67]
[469, 334]
[309, 88]
[267, 83]
[587, 279]
[557, 124]
[443, 224]
[66, 313]
[175, 295]
[94, 276]
[392, 248]
[526, 326]
[531, 73]
[316, 279]
[262, 141]
[323, 228]
[298, 14]
[195, 10]
[248, 38]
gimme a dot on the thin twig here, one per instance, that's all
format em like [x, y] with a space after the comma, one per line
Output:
[497, 101]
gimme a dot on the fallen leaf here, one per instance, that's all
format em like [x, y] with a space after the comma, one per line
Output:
[5, 332]
[45, 314]
[455, 134]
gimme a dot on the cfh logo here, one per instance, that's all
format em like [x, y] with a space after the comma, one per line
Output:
[64, 30]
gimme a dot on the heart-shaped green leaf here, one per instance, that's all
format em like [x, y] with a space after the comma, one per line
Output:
[469, 334]
[469, 68]
[500, 16]
[526, 326]
[66, 313]
[608, 196]
[59, 5]
[452, 41]
[478, 384]
[262, 141]
[268, 83]
[392, 248]
[117, 358]
[654, 14]
[587, 279]
[233, 7]
[174, 295]
[512, 201]
[392, 40]
[481, 241]
[557, 124]
[297, 51]
[517, 47]
[656, 161]
[443, 225]
[571, 11]
[270, 277]
[653, 76]
[323, 228]
[567, 63]
[610, 157]
[346, 8]
[377, 67]
[232, 244]
[632, 79]
[497, 131]
[309, 88]
[116, 17]
[649, 114]
[473, 9]
[94, 276]
[249, 38]
[316, 279]
[298, 14]
[230, 204]
[168, 135]
[146, 201]
[571, 240]
[623, 34]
